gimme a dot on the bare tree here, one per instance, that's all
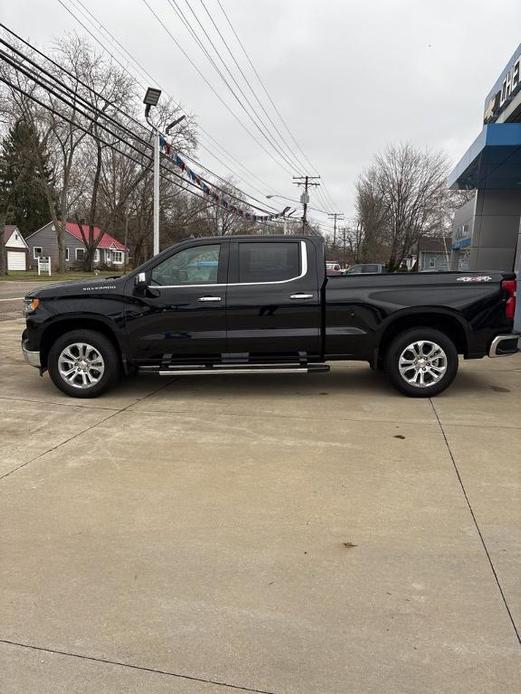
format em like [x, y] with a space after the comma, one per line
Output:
[403, 196]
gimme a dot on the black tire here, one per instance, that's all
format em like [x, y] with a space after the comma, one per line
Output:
[444, 367]
[109, 359]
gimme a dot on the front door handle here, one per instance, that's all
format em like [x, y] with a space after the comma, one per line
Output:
[209, 298]
[301, 296]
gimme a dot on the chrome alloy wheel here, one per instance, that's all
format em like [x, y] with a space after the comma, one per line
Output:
[422, 364]
[81, 365]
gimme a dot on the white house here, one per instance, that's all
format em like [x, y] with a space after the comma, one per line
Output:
[16, 247]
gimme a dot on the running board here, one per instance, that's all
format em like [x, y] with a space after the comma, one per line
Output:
[217, 369]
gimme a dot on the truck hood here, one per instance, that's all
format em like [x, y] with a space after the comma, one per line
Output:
[100, 285]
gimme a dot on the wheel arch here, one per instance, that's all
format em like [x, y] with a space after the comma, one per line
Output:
[65, 325]
[447, 323]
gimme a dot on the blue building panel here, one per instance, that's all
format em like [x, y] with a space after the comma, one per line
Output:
[492, 161]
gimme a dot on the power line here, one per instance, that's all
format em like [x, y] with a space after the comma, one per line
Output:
[144, 71]
[266, 91]
[257, 123]
[76, 95]
[252, 90]
[209, 84]
[50, 89]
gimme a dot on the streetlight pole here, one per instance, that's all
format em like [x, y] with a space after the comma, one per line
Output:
[155, 249]
[151, 98]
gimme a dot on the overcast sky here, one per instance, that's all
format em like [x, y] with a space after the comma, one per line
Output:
[349, 76]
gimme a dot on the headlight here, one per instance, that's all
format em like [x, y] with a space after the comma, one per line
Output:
[30, 305]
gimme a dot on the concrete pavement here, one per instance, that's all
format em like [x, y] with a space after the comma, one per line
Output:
[315, 534]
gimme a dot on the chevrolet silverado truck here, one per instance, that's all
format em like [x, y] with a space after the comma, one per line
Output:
[264, 305]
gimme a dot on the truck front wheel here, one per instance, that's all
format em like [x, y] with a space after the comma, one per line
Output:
[83, 363]
[421, 362]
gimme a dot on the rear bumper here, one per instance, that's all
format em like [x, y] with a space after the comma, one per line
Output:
[31, 357]
[504, 345]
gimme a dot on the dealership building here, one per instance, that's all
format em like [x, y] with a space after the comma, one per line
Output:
[486, 233]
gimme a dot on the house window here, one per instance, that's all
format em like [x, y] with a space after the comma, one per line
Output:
[80, 253]
[37, 252]
[118, 256]
[96, 255]
[67, 254]
[432, 262]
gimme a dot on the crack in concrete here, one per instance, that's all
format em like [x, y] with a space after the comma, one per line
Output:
[142, 668]
[476, 524]
[79, 433]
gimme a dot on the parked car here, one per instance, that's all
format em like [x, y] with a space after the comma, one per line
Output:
[333, 268]
[366, 269]
[246, 304]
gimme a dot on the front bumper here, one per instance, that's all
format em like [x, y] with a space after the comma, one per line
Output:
[32, 358]
[504, 345]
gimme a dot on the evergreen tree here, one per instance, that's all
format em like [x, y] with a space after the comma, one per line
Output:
[23, 166]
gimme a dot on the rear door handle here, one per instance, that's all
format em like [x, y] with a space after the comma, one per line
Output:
[301, 296]
[209, 298]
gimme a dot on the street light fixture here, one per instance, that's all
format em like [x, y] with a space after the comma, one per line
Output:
[173, 124]
[151, 98]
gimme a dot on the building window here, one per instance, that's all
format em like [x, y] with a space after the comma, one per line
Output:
[118, 256]
[67, 254]
[37, 252]
[79, 253]
[432, 262]
[96, 255]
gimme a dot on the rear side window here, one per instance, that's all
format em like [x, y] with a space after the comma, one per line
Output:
[269, 262]
[370, 268]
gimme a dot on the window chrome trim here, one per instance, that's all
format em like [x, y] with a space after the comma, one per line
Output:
[303, 273]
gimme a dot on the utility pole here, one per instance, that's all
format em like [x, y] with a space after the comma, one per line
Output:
[305, 181]
[335, 216]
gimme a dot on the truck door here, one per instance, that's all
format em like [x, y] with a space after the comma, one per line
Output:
[180, 313]
[273, 299]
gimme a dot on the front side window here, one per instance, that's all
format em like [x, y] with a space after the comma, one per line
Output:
[355, 270]
[269, 261]
[198, 265]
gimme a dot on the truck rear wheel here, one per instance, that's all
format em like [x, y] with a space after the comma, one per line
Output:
[421, 362]
[83, 363]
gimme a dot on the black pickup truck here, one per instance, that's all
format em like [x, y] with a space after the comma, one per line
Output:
[248, 304]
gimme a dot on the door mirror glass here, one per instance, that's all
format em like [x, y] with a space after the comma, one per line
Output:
[141, 279]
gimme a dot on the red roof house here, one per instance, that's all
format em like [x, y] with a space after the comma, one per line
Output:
[43, 243]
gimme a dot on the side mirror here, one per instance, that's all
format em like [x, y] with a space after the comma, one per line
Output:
[141, 279]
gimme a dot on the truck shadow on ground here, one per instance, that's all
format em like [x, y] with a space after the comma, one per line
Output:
[345, 380]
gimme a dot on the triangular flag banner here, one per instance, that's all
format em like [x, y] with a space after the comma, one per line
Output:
[166, 149]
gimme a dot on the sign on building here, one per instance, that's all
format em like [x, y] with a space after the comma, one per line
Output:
[461, 237]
